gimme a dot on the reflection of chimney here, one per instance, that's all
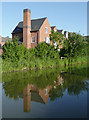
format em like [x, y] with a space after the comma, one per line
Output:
[27, 98]
[27, 28]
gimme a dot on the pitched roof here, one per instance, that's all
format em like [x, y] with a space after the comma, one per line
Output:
[52, 27]
[35, 25]
[59, 30]
[36, 97]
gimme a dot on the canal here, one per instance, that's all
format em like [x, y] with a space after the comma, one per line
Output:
[47, 93]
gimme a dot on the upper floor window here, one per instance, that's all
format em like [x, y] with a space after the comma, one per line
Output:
[54, 30]
[33, 39]
[62, 31]
[46, 29]
[67, 35]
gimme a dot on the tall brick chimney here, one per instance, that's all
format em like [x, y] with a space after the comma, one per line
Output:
[27, 28]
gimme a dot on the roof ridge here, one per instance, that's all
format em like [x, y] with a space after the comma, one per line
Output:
[35, 25]
[36, 19]
[40, 18]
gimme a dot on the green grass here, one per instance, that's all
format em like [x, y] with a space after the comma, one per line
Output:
[38, 63]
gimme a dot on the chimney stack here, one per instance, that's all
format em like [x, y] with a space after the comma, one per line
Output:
[27, 28]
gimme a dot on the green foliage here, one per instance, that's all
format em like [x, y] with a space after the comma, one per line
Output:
[13, 51]
[18, 57]
[74, 47]
[44, 50]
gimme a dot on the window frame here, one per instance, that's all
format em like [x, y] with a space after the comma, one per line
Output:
[32, 39]
[46, 30]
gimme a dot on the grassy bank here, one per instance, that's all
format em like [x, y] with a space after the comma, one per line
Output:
[37, 63]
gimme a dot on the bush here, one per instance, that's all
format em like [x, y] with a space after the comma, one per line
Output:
[44, 50]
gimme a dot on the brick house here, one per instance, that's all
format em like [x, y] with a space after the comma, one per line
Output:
[32, 32]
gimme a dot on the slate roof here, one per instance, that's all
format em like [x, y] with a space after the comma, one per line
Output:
[59, 30]
[52, 27]
[35, 25]
[36, 97]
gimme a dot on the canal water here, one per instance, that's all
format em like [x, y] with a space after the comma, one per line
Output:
[47, 93]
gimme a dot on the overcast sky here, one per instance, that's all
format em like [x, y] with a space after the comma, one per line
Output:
[70, 16]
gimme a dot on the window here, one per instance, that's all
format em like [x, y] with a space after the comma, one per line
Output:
[47, 40]
[62, 31]
[33, 39]
[46, 29]
[54, 30]
[67, 35]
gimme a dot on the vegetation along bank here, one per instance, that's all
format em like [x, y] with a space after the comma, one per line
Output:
[17, 57]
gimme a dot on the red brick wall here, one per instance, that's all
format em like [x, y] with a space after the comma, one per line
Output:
[42, 33]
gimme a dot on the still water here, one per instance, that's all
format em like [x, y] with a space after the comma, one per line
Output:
[48, 93]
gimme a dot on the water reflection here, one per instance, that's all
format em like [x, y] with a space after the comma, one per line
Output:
[39, 86]
[32, 93]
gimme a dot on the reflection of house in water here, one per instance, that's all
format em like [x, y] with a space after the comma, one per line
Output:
[32, 93]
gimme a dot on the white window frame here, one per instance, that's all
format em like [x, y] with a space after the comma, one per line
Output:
[67, 35]
[63, 32]
[33, 38]
[55, 30]
[47, 40]
[46, 30]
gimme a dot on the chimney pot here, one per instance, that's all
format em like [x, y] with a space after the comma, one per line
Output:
[27, 10]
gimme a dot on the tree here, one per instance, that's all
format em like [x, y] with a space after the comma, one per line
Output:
[74, 46]
[13, 51]
[44, 50]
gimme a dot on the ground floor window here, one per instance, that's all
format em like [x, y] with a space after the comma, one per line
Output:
[33, 39]
[47, 40]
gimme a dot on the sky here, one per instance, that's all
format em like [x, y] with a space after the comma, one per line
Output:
[69, 16]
